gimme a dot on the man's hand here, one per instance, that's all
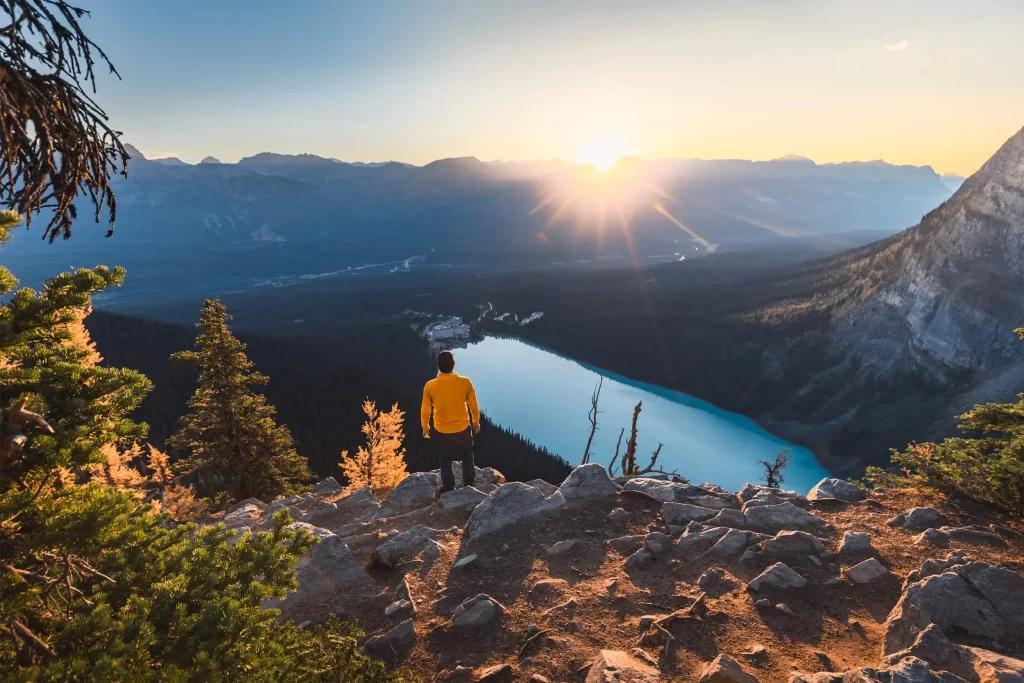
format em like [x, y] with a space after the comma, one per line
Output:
[476, 428]
[426, 433]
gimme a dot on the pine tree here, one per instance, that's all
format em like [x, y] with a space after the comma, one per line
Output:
[233, 442]
[381, 463]
[93, 585]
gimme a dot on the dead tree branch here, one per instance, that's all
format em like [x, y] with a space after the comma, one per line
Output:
[592, 416]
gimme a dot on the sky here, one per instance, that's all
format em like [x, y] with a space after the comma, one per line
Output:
[931, 82]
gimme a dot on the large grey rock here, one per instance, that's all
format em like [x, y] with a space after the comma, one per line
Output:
[481, 476]
[545, 487]
[244, 515]
[867, 571]
[328, 568]
[413, 492]
[680, 514]
[836, 489]
[770, 496]
[564, 547]
[657, 543]
[395, 641]
[771, 519]
[616, 666]
[918, 519]
[933, 566]
[466, 562]
[725, 669]
[641, 559]
[511, 503]
[407, 545]
[588, 481]
[979, 600]
[793, 544]
[462, 498]
[855, 542]
[778, 575]
[477, 611]
[282, 503]
[663, 490]
[248, 501]
[627, 544]
[934, 648]
[734, 519]
[326, 487]
[700, 539]
[617, 516]
[358, 506]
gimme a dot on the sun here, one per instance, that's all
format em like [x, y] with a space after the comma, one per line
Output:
[602, 152]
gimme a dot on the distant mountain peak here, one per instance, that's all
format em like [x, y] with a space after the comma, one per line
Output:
[210, 160]
[171, 161]
[134, 152]
[795, 157]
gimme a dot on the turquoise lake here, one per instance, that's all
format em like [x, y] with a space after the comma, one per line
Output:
[546, 398]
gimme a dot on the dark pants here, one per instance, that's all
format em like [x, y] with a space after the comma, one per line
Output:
[452, 447]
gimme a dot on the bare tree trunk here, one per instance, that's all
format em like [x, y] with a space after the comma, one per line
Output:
[592, 416]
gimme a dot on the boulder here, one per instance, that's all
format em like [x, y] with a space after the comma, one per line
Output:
[413, 492]
[564, 547]
[933, 647]
[248, 501]
[943, 535]
[465, 497]
[407, 545]
[477, 611]
[511, 503]
[771, 519]
[909, 670]
[588, 481]
[683, 513]
[979, 600]
[725, 669]
[618, 516]
[328, 568]
[397, 607]
[360, 505]
[778, 575]
[544, 487]
[641, 559]
[327, 487]
[547, 588]
[931, 567]
[836, 489]
[793, 544]
[657, 543]
[867, 571]
[715, 502]
[616, 666]
[855, 542]
[398, 639]
[498, 672]
[243, 515]
[482, 476]
[665, 491]
[770, 496]
[918, 519]
[282, 503]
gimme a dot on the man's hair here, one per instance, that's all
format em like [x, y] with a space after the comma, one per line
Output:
[446, 361]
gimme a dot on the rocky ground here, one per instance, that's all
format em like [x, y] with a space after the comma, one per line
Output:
[650, 580]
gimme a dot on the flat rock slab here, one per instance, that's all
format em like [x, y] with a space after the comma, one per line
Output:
[327, 487]
[398, 639]
[793, 543]
[544, 487]
[778, 575]
[616, 666]
[943, 535]
[408, 544]
[771, 519]
[680, 514]
[769, 496]
[856, 542]
[627, 544]
[462, 498]
[477, 611]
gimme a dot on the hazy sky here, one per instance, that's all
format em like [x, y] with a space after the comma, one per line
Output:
[929, 82]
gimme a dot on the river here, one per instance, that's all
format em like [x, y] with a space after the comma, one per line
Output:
[546, 397]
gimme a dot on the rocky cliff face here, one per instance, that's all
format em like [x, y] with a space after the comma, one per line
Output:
[950, 291]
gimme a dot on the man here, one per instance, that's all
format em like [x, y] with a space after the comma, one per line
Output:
[456, 419]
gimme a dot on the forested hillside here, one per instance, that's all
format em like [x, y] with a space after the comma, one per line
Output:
[318, 387]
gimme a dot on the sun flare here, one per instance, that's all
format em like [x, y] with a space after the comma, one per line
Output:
[602, 153]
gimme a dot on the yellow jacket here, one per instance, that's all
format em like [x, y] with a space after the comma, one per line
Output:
[449, 394]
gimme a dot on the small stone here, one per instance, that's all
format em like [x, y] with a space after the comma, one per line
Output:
[641, 559]
[400, 637]
[756, 653]
[832, 582]
[725, 669]
[535, 678]
[532, 630]
[396, 607]
[826, 663]
[643, 656]
[563, 547]
[708, 578]
[867, 571]
[646, 621]
[784, 608]
[763, 603]
[918, 519]
[497, 672]
[778, 576]
[466, 562]
[618, 516]
[855, 542]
